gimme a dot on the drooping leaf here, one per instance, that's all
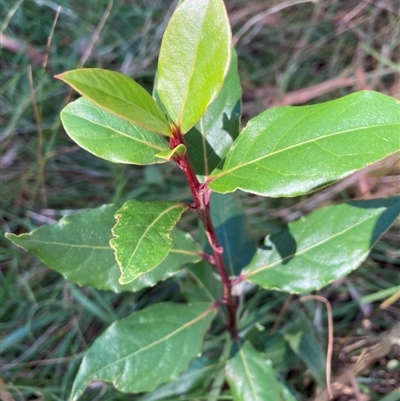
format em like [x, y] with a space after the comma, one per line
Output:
[146, 349]
[120, 95]
[142, 239]
[198, 374]
[322, 247]
[111, 137]
[289, 151]
[78, 247]
[194, 60]
[251, 376]
[301, 338]
[211, 138]
[232, 231]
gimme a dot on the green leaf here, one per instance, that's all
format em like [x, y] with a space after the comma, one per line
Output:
[194, 60]
[146, 349]
[180, 150]
[232, 231]
[251, 376]
[78, 247]
[198, 373]
[393, 396]
[110, 137]
[277, 350]
[211, 138]
[300, 336]
[142, 239]
[322, 247]
[289, 151]
[120, 95]
[202, 283]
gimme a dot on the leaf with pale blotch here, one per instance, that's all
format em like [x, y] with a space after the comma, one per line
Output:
[289, 151]
[146, 349]
[251, 376]
[78, 247]
[120, 95]
[211, 138]
[111, 137]
[194, 60]
[322, 247]
[142, 236]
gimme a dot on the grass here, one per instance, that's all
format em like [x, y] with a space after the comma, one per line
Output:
[306, 52]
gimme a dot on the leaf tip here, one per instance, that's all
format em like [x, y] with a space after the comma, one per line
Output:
[59, 76]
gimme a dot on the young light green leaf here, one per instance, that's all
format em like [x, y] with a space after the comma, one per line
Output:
[111, 137]
[146, 349]
[232, 231]
[194, 60]
[211, 138]
[180, 150]
[289, 151]
[322, 247]
[251, 376]
[78, 247]
[120, 95]
[142, 239]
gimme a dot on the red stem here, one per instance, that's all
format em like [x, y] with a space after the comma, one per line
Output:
[201, 199]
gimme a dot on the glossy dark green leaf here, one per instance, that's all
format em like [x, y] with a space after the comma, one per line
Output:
[120, 95]
[288, 151]
[111, 137]
[78, 248]
[232, 231]
[322, 247]
[211, 138]
[300, 335]
[146, 349]
[251, 376]
[142, 236]
[194, 60]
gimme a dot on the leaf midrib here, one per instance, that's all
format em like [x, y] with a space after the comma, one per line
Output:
[133, 90]
[119, 132]
[247, 370]
[224, 172]
[148, 228]
[271, 265]
[191, 70]
[159, 341]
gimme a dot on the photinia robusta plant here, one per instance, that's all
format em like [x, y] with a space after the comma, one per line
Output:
[193, 120]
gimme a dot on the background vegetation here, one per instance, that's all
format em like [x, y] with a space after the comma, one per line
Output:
[307, 52]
